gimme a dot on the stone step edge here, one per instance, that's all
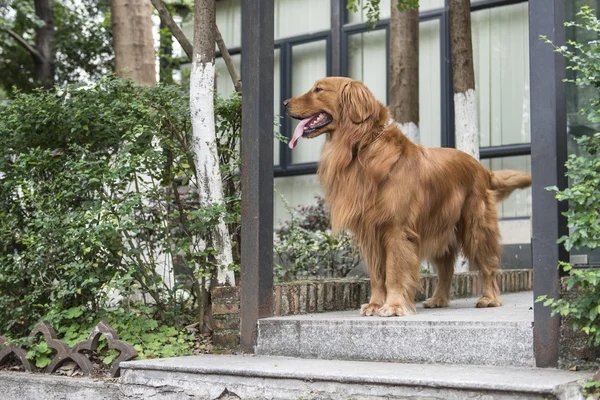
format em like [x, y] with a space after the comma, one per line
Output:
[396, 322]
[489, 378]
[306, 297]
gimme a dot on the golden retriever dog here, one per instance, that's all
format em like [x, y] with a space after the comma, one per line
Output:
[402, 202]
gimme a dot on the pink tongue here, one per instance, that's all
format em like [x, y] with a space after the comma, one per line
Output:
[298, 132]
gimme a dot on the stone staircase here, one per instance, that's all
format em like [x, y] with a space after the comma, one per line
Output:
[461, 334]
[455, 353]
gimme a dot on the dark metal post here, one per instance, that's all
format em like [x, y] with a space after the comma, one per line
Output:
[257, 168]
[447, 90]
[337, 21]
[548, 156]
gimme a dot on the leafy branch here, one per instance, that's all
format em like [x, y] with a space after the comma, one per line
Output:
[373, 11]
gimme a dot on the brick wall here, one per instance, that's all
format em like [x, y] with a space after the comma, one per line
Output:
[342, 294]
[226, 314]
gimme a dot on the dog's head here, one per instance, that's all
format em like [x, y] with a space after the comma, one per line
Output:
[330, 104]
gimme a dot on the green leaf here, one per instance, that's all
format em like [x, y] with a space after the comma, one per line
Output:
[42, 361]
[108, 359]
[73, 312]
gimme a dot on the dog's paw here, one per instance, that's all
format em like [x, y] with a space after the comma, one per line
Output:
[390, 310]
[486, 301]
[369, 309]
[436, 303]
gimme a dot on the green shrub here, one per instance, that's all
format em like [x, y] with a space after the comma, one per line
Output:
[305, 247]
[93, 216]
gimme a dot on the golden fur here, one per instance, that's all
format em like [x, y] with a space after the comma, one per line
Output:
[404, 202]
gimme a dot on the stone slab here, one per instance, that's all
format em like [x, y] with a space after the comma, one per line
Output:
[267, 377]
[461, 334]
[27, 386]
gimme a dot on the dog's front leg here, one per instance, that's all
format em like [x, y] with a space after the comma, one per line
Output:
[374, 254]
[401, 272]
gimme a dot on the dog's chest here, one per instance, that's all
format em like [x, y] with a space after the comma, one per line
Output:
[350, 194]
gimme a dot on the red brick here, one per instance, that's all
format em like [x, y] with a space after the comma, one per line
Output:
[228, 340]
[221, 292]
[229, 322]
[303, 298]
[320, 297]
[225, 309]
[285, 300]
[294, 299]
[277, 308]
[312, 298]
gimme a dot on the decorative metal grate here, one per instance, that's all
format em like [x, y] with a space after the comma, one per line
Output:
[65, 353]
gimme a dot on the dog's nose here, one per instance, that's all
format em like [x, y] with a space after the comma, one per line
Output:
[286, 103]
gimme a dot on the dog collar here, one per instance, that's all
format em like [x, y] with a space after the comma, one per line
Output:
[356, 149]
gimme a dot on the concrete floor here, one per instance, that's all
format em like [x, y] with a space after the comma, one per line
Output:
[518, 307]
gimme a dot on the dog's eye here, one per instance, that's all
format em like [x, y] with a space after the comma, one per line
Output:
[318, 89]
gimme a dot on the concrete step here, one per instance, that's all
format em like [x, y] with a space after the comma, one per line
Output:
[461, 334]
[269, 377]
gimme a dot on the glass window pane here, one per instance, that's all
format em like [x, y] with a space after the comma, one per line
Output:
[294, 17]
[229, 21]
[367, 61]
[518, 204]
[223, 82]
[578, 98]
[309, 63]
[426, 5]
[501, 59]
[430, 113]
[297, 191]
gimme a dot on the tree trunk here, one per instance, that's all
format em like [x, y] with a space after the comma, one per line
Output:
[44, 44]
[133, 41]
[203, 129]
[465, 100]
[404, 70]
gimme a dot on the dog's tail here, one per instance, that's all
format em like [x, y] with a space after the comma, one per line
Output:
[504, 182]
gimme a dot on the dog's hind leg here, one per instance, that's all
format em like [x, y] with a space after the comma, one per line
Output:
[481, 244]
[401, 272]
[444, 266]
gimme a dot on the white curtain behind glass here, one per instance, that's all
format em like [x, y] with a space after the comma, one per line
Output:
[299, 17]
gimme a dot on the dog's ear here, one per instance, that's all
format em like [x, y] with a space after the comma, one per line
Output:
[358, 103]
